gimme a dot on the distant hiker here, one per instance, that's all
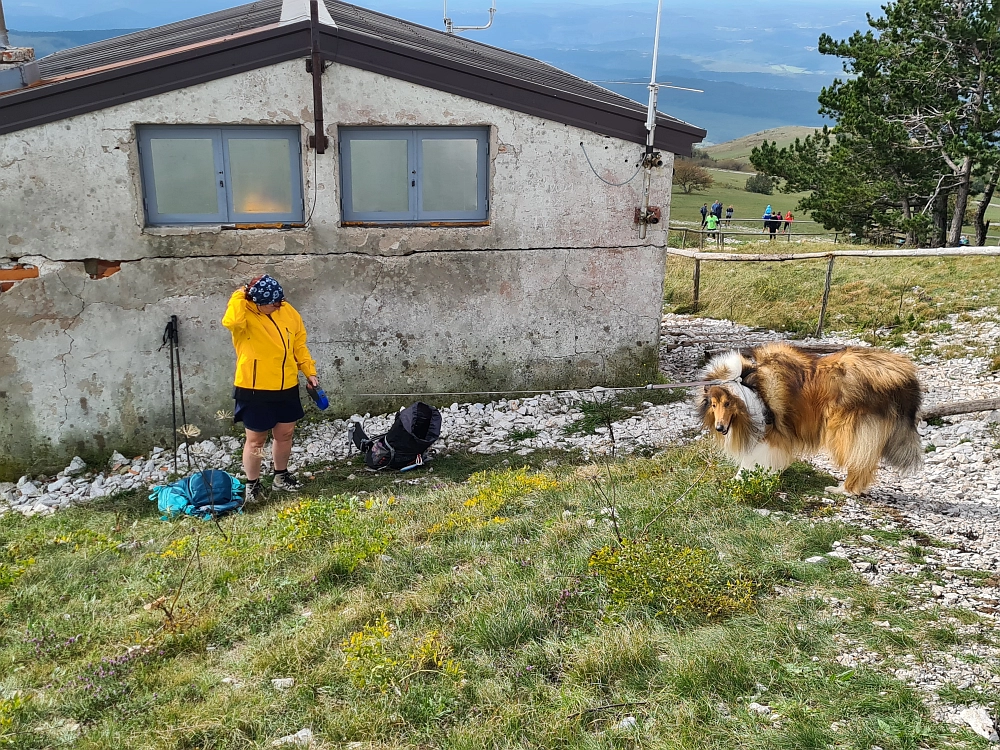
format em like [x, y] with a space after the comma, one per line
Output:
[767, 218]
[774, 224]
[729, 216]
[788, 221]
[717, 209]
[270, 341]
[713, 226]
[704, 213]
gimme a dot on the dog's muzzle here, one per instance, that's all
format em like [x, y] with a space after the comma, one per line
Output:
[721, 428]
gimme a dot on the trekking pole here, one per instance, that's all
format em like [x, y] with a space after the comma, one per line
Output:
[168, 337]
[180, 385]
[171, 335]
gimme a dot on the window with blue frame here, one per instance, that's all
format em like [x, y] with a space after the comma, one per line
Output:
[414, 175]
[221, 175]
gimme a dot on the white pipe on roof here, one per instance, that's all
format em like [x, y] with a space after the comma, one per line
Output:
[298, 10]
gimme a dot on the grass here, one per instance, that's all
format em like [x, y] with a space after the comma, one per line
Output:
[457, 609]
[867, 295]
[728, 188]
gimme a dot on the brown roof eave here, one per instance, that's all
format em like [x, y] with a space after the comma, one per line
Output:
[379, 56]
[92, 90]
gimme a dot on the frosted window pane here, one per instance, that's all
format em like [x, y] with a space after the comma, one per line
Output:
[184, 175]
[379, 176]
[450, 174]
[261, 175]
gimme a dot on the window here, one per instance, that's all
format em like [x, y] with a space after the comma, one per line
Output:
[414, 175]
[230, 175]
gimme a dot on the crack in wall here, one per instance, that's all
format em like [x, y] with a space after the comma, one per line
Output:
[249, 257]
[69, 352]
[378, 278]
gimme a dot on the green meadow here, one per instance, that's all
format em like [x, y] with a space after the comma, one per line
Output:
[545, 602]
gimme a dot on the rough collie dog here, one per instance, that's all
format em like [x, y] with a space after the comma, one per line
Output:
[858, 405]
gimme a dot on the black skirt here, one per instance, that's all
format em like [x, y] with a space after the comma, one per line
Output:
[260, 411]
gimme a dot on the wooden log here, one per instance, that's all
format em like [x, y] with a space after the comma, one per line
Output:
[746, 351]
[960, 407]
[941, 252]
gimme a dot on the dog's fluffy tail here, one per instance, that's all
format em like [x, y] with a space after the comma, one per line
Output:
[902, 449]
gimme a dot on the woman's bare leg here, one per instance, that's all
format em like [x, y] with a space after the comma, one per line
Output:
[253, 454]
[282, 448]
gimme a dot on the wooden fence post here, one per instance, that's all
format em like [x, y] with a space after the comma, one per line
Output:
[697, 284]
[826, 297]
[684, 239]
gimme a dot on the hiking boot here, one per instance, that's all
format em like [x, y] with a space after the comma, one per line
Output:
[285, 482]
[254, 491]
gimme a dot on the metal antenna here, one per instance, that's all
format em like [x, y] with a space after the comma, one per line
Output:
[451, 28]
[650, 155]
[4, 39]
[666, 85]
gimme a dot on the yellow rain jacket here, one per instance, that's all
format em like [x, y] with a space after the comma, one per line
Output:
[270, 349]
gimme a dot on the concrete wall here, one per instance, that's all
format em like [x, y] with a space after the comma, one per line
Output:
[556, 291]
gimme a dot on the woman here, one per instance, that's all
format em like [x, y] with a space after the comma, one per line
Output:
[788, 221]
[270, 342]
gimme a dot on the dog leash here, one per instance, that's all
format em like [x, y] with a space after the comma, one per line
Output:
[594, 390]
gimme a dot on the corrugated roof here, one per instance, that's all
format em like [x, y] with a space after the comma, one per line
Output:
[159, 39]
[437, 54]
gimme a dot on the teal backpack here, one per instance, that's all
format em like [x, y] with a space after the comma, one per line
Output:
[206, 495]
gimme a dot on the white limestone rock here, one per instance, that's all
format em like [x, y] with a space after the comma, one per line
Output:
[980, 721]
[302, 738]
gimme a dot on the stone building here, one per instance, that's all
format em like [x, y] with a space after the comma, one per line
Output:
[452, 236]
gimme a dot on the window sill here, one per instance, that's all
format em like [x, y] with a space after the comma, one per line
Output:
[412, 224]
[193, 229]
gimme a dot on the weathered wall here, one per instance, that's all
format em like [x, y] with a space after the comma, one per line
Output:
[557, 290]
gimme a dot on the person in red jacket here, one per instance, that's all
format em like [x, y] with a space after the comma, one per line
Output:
[270, 341]
[788, 221]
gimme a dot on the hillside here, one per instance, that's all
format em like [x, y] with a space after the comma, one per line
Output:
[740, 148]
[47, 42]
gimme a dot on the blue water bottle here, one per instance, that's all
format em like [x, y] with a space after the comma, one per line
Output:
[318, 396]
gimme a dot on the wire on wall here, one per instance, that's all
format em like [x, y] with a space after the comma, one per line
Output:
[608, 182]
[315, 187]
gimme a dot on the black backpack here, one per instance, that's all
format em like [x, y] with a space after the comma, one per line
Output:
[404, 446]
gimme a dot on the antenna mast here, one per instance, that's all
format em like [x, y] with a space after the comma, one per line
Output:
[650, 158]
[451, 28]
[4, 39]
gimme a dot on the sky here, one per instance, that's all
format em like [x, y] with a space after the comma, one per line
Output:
[748, 44]
[773, 37]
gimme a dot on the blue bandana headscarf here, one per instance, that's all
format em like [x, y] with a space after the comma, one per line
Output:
[266, 291]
